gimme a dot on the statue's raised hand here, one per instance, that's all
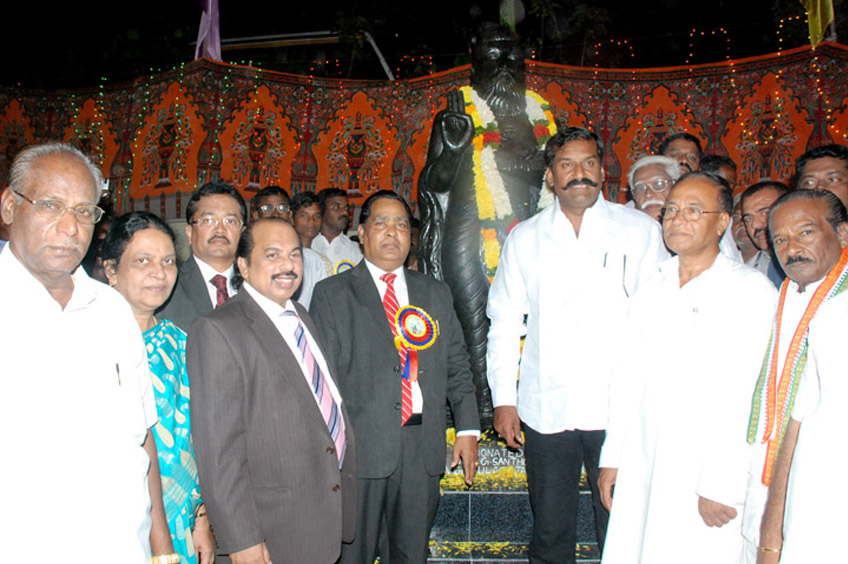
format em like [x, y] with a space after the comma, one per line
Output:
[455, 127]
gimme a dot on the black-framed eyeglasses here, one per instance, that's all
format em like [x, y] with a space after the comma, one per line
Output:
[54, 209]
[688, 213]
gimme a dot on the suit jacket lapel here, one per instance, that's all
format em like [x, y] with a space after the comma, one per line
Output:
[282, 356]
[195, 286]
[368, 295]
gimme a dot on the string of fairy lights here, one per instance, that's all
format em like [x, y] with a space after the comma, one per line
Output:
[91, 126]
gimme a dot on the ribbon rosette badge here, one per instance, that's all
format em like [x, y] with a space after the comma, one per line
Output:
[416, 328]
[343, 265]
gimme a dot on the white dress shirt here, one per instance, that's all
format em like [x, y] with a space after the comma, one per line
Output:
[208, 273]
[339, 249]
[402, 295]
[313, 272]
[79, 403]
[574, 293]
[286, 326]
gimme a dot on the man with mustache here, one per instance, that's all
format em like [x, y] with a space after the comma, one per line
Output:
[674, 448]
[274, 443]
[801, 389]
[564, 280]
[394, 342]
[756, 202]
[650, 180]
[215, 216]
[332, 241]
[685, 148]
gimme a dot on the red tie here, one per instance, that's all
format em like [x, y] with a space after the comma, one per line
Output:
[220, 283]
[390, 304]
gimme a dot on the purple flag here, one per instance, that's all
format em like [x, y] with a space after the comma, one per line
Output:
[209, 35]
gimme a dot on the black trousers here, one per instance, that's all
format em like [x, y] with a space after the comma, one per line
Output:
[395, 514]
[553, 479]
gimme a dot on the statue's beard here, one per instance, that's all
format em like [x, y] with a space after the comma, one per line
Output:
[503, 93]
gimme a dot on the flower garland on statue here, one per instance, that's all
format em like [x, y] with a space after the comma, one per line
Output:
[494, 208]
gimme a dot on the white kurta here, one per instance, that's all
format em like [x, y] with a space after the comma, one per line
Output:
[755, 502]
[679, 409]
[815, 522]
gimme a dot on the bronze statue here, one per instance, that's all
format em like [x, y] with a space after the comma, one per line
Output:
[484, 174]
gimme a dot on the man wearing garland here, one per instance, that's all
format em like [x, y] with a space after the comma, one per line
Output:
[809, 231]
[569, 271]
[674, 447]
[483, 175]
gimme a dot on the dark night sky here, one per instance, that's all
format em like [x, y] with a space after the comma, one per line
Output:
[63, 47]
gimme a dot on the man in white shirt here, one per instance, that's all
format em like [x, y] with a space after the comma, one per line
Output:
[275, 449]
[756, 202]
[570, 270]
[809, 231]
[215, 216]
[675, 448]
[332, 241]
[80, 402]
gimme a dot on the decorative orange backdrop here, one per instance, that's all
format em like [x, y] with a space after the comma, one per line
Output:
[161, 136]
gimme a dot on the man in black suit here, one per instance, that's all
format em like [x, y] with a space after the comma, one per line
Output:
[274, 444]
[215, 215]
[396, 388]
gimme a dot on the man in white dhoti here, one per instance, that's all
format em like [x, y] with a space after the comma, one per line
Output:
[675, 447]
[810, 233]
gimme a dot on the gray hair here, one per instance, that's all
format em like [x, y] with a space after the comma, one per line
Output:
[21, 168]
[672, 167]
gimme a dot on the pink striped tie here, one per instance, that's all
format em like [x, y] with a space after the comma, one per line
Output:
[390, 304]
[329, 409]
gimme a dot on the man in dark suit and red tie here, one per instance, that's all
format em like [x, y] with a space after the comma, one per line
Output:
[274, 444]
[394, 342]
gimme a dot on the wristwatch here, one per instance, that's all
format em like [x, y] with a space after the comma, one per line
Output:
[172, 558]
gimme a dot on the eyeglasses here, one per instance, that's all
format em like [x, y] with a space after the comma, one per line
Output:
[54, 209]
[269, 208]
[658, 185]
[209, 222]
[689, 214]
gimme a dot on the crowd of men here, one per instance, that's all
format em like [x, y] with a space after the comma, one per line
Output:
[701, 394]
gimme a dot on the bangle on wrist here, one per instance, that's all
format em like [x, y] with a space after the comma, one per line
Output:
[768, 550]
[172, 558]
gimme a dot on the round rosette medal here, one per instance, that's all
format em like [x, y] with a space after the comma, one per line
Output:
[343, 265]
[416, 329]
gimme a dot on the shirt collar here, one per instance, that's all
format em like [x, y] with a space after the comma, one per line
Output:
[207, 271]
[598, 210]
[271, 308]
[376, 272]
[85, 289]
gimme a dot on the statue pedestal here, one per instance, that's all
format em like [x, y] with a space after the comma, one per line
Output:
[491, 522]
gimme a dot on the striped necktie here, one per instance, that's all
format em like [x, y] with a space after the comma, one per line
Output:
[318, 383]
[390, 304]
